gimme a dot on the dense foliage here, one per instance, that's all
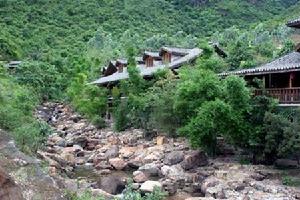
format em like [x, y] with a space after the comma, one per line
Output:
[63, 45]
[17, 104]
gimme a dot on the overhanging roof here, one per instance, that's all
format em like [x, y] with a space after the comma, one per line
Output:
[289, 62]
[294, 23]
[192, 54]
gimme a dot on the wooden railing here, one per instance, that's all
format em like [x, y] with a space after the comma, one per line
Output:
[284, 95]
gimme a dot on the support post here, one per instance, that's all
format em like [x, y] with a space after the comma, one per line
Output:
[264, 81]
[291, 80]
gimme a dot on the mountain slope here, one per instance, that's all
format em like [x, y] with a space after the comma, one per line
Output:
[37, 27]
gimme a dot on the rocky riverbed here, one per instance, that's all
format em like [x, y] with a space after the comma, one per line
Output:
[84, 157]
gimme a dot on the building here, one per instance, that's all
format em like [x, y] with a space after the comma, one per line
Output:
[148, 64]
[13, 64]
[281, 77]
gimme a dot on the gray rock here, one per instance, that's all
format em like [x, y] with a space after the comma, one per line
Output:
[286, 164]
[112, 152]
[149, 186]
[174, 157]
[111, 184]
[174, 172]
[151, 169]
[194, 159]
[139, 177]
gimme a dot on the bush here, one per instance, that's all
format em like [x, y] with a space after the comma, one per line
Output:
[41, 76]
[89, 100]
[131, 194]
[214, 118]
[121, 120]
[16, 116]
[87, 195]
[195, 87]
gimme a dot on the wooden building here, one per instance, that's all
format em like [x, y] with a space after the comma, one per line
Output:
[149, 63]
[280, 78]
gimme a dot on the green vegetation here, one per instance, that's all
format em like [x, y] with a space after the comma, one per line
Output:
[290, 181]
[128, 194]
[87, 195]
[64, 44]
[17, 104]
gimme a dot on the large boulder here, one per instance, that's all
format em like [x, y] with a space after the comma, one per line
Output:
[151, 169]
[149, 186]
[174, 172]
[69, 158]
[174, 157]
[117, 163]
[111, 184]
[8, 189]
[286, 164]
[112, 152]
[139, 177]
[80, 140]
[194, 159]
[161, 140]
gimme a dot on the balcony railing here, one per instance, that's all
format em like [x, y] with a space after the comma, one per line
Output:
[284, 95]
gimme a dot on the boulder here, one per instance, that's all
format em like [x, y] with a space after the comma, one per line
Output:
[149, 186]
[101, 193]
[160, 140]
[173, 158]
[80, 140]
[117, 163]
[151, 169]
[174, 172]
[200, 198]
[8, 188]
[208, 183]
[103, 165]
[286, 164]
[113, 140]
[153, 156]
[127, 152]
[112, 152]
[139, 177]
[69, 158]
[194, 159]
[135, 163]
[111, 184]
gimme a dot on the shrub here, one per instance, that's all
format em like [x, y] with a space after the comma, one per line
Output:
[195, 87]
[131, 194]
[89, 100]
[162, 98]
[121, 119]
[86, 195]
[41, 76]
[16, 116]
[214, 118]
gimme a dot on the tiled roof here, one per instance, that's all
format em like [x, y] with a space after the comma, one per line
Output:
[288, 62]
[174, 50]
[192, 54]
[155, 55]
[294, 23]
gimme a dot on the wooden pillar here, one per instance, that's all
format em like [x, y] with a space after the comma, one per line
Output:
[264, 81]
[291, 80]
[270, 80]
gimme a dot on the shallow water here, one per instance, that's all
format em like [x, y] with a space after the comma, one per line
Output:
[93, 176]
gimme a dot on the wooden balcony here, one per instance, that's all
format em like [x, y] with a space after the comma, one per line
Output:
[284, 95]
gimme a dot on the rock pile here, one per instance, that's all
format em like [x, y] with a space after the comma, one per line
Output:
[164, 162]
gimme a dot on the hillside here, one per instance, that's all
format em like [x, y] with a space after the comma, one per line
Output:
[36, 28]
